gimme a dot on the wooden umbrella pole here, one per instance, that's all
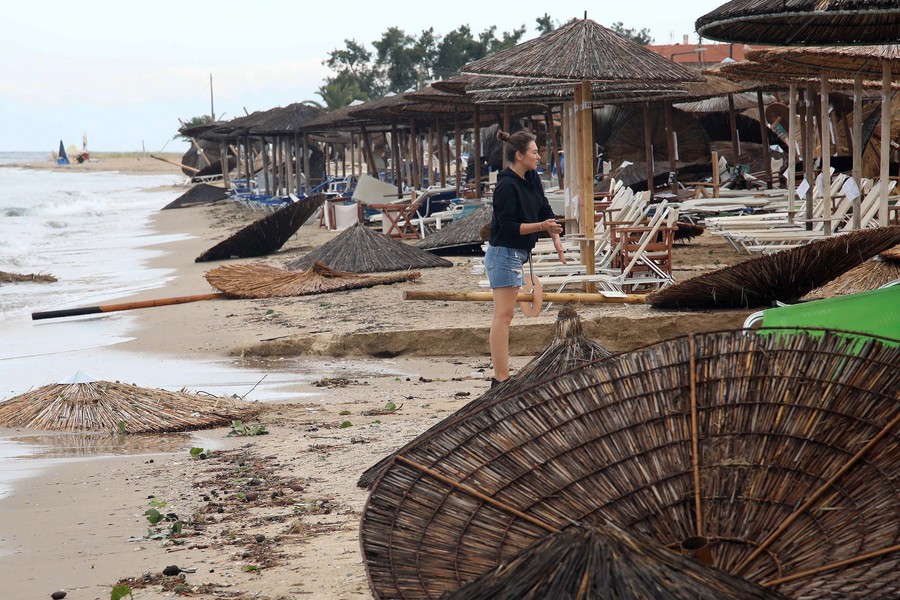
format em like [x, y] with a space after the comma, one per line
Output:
[830, 566]
[816, 495]
[883, 171]
[476, 494]
[579, 297]
[695, 442]
[177, 164]
[92, 310]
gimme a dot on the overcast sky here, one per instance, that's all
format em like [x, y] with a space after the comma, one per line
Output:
[125, 72]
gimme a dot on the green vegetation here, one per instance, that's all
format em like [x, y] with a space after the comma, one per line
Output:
[238, 428]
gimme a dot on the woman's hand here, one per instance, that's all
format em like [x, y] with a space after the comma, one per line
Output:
[550, 226]
[560, 252]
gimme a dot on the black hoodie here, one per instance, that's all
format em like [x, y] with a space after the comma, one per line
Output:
[517, 201]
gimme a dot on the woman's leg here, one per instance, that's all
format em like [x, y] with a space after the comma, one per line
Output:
[504, 308]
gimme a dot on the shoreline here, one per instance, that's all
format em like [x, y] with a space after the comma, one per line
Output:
[70, 525]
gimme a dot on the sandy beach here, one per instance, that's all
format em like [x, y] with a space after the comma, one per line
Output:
[276, 516]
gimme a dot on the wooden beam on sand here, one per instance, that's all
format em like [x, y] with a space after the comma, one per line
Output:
[576, 297]
[177, 164]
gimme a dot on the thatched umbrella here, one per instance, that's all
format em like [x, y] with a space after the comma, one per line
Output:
[265, 281]
[803, 22]
[202, 193]
[779, 450]
[359, 249]
[84, 404]
[619, 130]
[784, 276]
[601, 562]
[462, 234]
[567, 350]
[265, 235]
[870, 275]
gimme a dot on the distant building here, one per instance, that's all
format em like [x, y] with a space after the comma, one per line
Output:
[702, 55]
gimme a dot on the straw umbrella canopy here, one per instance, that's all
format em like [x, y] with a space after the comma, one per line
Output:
[581, 53]
[265, 235]
[803, 22]
[460, 234]
[872, 274]
[202, 193]
[780, 450]
[568, 349]
[601, 562]
[265, 281]
[360, 249]
[82, 403]
[784, 276]
[286, 120]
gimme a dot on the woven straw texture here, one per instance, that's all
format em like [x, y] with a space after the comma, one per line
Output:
[870, 275]
[462, 233]
[782, 450]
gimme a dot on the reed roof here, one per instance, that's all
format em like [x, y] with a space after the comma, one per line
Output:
[582, 50]
[870, 275]
[742, 101]
[202, 193]
[260, 280]
[288, 120]
[359, 249]
[783, 276]
[460, 233]
[838, 61]
[568, 349]
[106, 406]
[780, 449]
[604, 561]
[265, 235]
[803, 22]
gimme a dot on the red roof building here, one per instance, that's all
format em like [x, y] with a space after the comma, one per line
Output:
[701, 55]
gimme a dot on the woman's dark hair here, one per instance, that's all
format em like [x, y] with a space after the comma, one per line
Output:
[516, 142]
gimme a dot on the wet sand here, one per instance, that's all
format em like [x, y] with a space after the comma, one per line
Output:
[334, 361]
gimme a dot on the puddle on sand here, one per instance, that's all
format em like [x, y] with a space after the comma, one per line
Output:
[67, 445]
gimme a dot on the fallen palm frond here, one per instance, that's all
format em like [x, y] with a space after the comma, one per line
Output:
[118, 407]
[260, 280]
[8, 277]
[870, 275]
[359, 249]
[784, 276]
[568, 349]
[603, 561]
[265, 235]
[781, 450]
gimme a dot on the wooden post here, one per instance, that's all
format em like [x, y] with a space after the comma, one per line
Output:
[441, 153]
[306, 157]
[288, 166]
[792, 151]
[885, 142]
[267, 188]
[395, 158]
[732, 123]
[223, 158]
[414, 164]
[586, 181]
[857, 145]
[559, 159]
[808, 159]
[457, 138]
[368, 154]
[826, 157]
[477, 151]
[670, 139]
[248, 158]
[764, 136]
[200, 151]
[648, 147]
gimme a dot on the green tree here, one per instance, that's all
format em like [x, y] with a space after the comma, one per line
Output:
[641, 37]
[407, 62]
[197, 121]
[355, 78]
[545, 24]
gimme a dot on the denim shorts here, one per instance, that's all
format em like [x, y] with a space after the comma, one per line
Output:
[504, 266]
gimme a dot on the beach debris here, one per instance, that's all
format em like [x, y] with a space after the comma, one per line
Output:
[780, 450]
[82, 403]
[9, 277]
[202, 193]
[93, 310]
[259, 280]
[58, 595]
[685, 231]
[783, 276]
[603, 561]
[171, 571]
[872, 274]
[266, 235]
[462, 235]
[569, 348]
[359, 249]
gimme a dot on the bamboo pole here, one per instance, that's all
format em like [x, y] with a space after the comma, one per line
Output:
[826, 156]
[670, 142]
[477, 151]
[648, 147]
[792, 151]
[732, 123]
[442, 155]
[857, 146]
[306, 157]
[395, 158]
[764, 136]
[586, 164]
[458, 150]
[92, 310]
[265, 156]
[808, 154]
[288, 154]
[177, 164]
[695, 441]
[576, 297]
[885, 143]
[831, 566]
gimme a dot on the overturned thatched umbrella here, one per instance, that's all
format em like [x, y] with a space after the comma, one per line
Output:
[359, 249]
[784, 276]
[265, 235]
[619, 131]
[202, 193]
[870, 275]
[803, 22]
[82, 403]
[599, 562]
[780, 450]
[462, 235]
[567, 350]
[10, 277]
[265, 281]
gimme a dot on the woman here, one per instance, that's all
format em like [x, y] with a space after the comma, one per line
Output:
[521, 212]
